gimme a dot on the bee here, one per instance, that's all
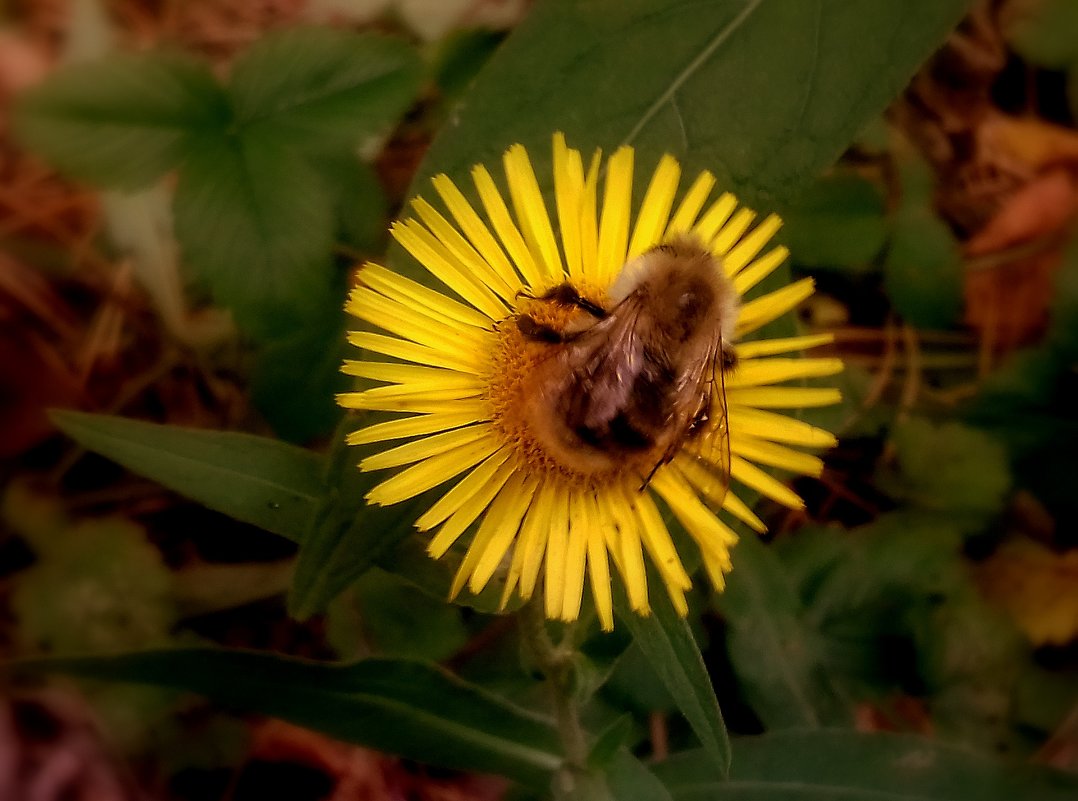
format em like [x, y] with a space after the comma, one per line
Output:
[637, 377]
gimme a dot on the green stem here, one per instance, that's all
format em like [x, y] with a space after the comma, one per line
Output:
[556, 662]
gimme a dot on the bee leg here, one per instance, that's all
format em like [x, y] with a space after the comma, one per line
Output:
[729, 359]
[538, 332]
[567, 295]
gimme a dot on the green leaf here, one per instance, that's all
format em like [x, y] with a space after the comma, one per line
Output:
[259, 481]
[667, 641]
[408, 708]
[296, 378]
[123, 121]
[837, 222]
[949, 467]
[360, 203]
[775, 655]
[1044, 34]
[255, 225]
[346, 536]
[396, 619]
[765, 93]
[321, 88]
[105, 587]
[629, 779]
[824, 765]
[460, 56]
[923, 270]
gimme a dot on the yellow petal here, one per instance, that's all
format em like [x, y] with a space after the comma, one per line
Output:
[748, 247]
[778, 428]
[631, 554]
[463, 252]
[780, 456]
[715, 216]
[410, 427]
[407, 291]
[769, 347]
[760, 312]
[589, 226]
[599, 573]
[498, 530]
[759, 269]
[414, 352]
[655, 209]
[476, 230]
[732, 231]
[424, 377]
[758, 372]
[489, 473]
[685, 216]
[427, 447]
[755, 478]
[532, 214]
[569, 198]
[557, 543]
[478, 498]
[580, 527]
[614, 221]
[533, 539]
[443, 265]
[782, 397]
[499, 216]
[432, 472]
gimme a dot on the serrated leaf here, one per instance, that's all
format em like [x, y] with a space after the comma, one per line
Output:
[259, 481]
[319, 88]
[667, 641]
[775, 655]
[123, 121]
[819, 766]
[1043, 33]
[837, 222]
[949, 467]
[255, 225]
[764, 93]
[408, 708]
[104, 588]
[923, 269]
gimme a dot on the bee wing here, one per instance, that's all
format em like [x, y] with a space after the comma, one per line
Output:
[707, 464]
[605, 361]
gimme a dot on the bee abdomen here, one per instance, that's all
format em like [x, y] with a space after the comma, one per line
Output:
[621, 435]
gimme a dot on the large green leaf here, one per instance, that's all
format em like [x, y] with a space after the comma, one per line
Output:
[805, 766]
[764, 93]
[259, 481]
[122, 121]
[668, 643]
[256, 225]
[630, 780]
[774, 653]
[346, 537]
[403, 707]
[319, 87]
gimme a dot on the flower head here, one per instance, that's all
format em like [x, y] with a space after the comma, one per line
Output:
[475, 370]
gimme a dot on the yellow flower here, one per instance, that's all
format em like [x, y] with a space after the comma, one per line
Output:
[461, 372]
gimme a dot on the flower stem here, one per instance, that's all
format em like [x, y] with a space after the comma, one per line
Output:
[556, 662]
